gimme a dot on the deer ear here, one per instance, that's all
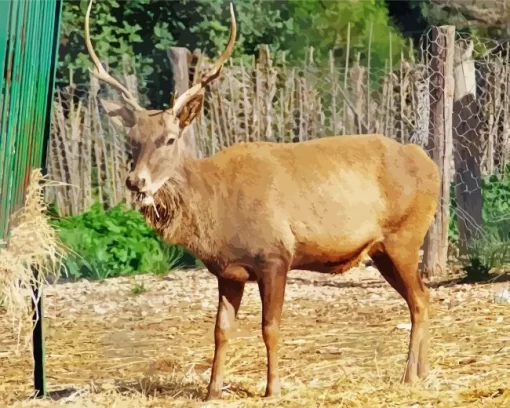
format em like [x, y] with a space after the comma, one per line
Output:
[190, 111]
[122, 117]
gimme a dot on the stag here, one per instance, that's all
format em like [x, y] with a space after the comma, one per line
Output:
[254, 211]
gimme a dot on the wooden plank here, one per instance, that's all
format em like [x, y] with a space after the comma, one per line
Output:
[180, 58]
[442, 44]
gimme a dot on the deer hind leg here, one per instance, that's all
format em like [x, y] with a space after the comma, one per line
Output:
[230, 295]
[398, 263]
[271, 281]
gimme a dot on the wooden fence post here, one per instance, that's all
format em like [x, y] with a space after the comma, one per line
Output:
[180, 58]
[442, 44]
[467, 152]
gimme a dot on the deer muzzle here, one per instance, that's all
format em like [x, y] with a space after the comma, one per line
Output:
[135, 183]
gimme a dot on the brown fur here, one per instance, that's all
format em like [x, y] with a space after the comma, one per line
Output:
[254, 211]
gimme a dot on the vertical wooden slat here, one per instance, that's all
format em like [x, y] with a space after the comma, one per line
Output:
[440, 143]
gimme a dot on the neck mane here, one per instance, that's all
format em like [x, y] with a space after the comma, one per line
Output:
[177, 217]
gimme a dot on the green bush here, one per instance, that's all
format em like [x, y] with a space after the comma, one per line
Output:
[484, 254]
[492, 248]
[116, 242]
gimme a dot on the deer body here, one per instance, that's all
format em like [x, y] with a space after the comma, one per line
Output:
[254, 211]
[321, 202]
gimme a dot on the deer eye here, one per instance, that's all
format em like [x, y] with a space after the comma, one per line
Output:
[170, 141]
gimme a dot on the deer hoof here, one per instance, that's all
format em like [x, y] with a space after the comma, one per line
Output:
[213, 395]
[409, 378]
[273, 391]
[423, 371]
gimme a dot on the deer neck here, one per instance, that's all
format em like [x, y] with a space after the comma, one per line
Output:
[187, 199]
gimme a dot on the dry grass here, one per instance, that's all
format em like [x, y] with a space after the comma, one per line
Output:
[107, 347]
[32, 243]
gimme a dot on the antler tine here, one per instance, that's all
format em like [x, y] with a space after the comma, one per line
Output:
[100, 73]
[214, 72]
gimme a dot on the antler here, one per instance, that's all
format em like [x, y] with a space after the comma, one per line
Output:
[100, 73]
[213, 73]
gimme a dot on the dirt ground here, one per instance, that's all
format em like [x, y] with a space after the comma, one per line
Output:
[148, 342]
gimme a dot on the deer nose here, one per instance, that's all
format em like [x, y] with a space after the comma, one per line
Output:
[135, 183]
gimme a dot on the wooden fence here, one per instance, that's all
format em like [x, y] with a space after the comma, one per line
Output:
[450, 101]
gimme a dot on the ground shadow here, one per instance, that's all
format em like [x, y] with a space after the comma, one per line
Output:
[170, 388]
[345, 284]
[491, 278]
[367, 283]
[56, 395]
[375, 283]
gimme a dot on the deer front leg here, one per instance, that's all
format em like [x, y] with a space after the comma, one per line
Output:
[230, 295]
[272, 292]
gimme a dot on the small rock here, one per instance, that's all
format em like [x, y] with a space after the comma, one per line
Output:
[502, 296]
[100, 310]
[404, 326]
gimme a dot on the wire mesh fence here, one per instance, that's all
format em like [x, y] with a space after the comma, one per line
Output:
[452, 99]
[469, 116]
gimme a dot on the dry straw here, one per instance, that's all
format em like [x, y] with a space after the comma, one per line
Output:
[343, 345]
[32, 245]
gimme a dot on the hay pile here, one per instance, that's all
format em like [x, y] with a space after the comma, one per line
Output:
[344, 344]
[31, 243]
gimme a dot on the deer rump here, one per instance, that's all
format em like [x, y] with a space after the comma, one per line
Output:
[322, 204]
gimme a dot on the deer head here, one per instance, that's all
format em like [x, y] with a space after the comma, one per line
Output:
[155, 135]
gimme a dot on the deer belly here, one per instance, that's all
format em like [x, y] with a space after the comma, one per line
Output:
[333, 257]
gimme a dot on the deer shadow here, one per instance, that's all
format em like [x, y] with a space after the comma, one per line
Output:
[344, 284]
[173, 389]
[376, 283]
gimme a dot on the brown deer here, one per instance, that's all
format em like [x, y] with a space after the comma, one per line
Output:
[254, 211]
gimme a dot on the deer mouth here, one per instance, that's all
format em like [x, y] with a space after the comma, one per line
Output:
[146, 201]
[158, 208]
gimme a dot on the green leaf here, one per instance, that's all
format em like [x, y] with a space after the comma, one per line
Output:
[216, 25]
[115, 242]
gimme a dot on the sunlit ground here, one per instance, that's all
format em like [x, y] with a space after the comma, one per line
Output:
[148, 342]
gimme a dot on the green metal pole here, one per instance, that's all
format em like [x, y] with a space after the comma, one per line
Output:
[38, 310]
[38, 351]
[10, 109]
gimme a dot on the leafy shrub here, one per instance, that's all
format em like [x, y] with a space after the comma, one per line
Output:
[116, 242]
[484, 254]
[492, 249]
[476, 270]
